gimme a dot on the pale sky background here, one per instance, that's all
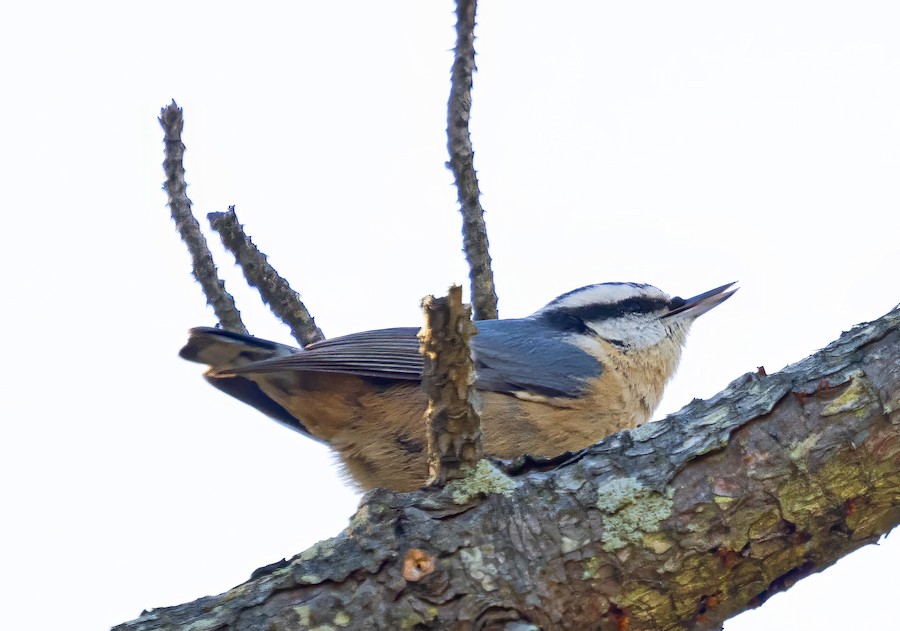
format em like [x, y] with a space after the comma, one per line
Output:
[682, 144]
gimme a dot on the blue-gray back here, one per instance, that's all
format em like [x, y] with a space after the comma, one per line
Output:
[510, 356]
[525, 354]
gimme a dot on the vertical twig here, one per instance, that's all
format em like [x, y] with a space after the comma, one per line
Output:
[172, 121]
[454, 425]
[462, 156]
[273, 289]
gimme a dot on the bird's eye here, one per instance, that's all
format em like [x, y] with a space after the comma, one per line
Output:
[676, 302]
[632, 306]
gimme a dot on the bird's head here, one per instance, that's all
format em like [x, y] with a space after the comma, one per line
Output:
[631, 316]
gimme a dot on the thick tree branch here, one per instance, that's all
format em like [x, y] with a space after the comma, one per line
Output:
[462, 163]
[172, 121]
[677, 524]
[448, 378]
[274, 290]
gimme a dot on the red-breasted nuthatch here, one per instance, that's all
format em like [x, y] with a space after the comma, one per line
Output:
[592, 362]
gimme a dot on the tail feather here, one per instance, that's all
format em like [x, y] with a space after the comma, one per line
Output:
[222, 350]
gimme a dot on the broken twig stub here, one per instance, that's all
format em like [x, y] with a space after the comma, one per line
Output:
[448, 378]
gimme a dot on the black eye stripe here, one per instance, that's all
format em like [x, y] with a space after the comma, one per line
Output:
[597, 312]
[564, 321]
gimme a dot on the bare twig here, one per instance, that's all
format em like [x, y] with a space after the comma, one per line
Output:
[459, 144]
[172, 120]
[454, 426]
[274, 290]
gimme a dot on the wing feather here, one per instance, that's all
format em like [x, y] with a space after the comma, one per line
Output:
[510, 355]
[522, 355]
[387, 353]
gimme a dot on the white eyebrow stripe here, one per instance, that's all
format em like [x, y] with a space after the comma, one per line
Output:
[606, 293]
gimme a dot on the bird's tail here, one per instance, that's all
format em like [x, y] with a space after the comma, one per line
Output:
[222, 350]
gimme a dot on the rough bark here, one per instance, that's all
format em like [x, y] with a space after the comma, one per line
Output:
[677, 524]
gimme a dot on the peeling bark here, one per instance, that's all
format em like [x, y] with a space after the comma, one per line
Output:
[678, 524]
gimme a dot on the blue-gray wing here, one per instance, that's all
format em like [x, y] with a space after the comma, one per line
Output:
[510, 356]
[516, 355]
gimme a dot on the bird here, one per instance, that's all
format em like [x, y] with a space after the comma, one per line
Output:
[592, 362]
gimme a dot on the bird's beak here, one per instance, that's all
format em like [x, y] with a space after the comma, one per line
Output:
[694, 307]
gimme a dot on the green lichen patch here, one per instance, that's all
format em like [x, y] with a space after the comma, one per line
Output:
[799, 452]
[413, 618]
[321, 550]
[632, 511]
[714, 416]
[613, 495]
[362, 518]
[342, 619]
[658, 542]
[479, 567]
[303, 614]
[858, 396]
[484, 479]
[591, 568]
